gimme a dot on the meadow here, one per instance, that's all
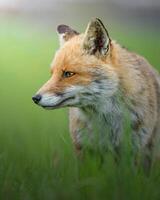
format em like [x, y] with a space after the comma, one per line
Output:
[37, 159]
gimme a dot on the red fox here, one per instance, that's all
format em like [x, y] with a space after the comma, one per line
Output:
[100, 80]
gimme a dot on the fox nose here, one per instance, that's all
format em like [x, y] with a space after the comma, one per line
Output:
[36, 98]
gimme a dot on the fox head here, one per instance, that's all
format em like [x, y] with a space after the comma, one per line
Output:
[82, 72]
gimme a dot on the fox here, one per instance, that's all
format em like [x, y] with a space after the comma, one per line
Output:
[100, 81]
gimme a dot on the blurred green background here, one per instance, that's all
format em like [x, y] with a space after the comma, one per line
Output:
[37, 159]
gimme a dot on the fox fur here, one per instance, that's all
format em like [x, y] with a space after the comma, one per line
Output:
[101, 81]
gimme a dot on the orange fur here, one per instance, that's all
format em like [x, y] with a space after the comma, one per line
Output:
[105, 72]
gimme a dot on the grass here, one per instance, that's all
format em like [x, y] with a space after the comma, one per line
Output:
[37, 160]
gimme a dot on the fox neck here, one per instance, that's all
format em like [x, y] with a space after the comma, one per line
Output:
[105, 105]
[106, 122]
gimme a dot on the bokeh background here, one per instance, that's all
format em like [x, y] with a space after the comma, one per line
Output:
[37, 160]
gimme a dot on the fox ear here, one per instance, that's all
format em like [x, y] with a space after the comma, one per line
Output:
[65, 33]
[96, 39]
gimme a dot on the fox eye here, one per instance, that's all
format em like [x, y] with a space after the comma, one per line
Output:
[67, 74]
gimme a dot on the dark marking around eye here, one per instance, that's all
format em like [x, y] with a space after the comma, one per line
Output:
[67, 74]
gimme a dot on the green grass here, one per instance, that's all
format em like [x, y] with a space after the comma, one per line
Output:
[37, 160]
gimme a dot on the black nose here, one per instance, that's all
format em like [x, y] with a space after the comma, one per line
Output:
[36, 98]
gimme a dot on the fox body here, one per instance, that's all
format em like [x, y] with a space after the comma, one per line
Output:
[100, 81]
